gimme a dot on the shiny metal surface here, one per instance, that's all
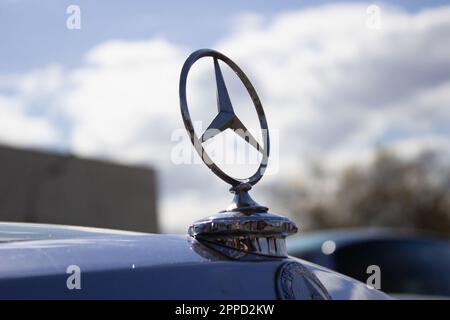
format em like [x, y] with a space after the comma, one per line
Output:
[259, 233]
[226, 118]
[296, 282]
[245, 227]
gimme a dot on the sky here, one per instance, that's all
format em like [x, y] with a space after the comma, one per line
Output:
[337, 80]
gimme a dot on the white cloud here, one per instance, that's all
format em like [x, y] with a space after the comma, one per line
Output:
[334, 89]
[180, 211]
[17, 128]
[124, 101]
[26, 107]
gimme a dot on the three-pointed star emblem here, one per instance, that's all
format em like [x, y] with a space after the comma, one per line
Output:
[226, 117]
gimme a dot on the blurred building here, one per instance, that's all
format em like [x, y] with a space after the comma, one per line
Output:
[62, 189]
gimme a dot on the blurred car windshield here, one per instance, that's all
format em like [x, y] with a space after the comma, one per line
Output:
[407, 266]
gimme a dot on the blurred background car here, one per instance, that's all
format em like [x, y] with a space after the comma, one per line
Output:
[412, 265]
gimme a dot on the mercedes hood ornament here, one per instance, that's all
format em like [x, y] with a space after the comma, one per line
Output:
[245, 228]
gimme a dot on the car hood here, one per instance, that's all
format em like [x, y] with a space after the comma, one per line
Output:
[40, 250]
